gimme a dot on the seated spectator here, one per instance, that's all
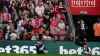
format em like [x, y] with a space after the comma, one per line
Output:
[39, 9]
[14, 12]
[62, 31]
[33, 20]
[37, 21]
[5, 16]
[55, 2]
[35, 36]
[60, 8]
[20, 14]
[38, 35]
[28, 32]
[30, 5]
[15, 21]
[17, 3]
[61, 25]
[10, 23]
[11, 35]
[31, 13]
[54, 27]
[61, 16]
[36, 29]
[25, 12]
[24, 7]
[12, 7]
[24, 20]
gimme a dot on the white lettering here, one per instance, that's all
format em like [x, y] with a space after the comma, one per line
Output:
[2, 50]
[95, 51]
[63, 51]
[79, 50]
[32, 49]
[8, 49]
[16, 49]
[24, 49]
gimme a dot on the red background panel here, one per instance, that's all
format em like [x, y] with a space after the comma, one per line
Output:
[90, 10]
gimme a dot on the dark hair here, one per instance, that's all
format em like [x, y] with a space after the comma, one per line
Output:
[47, 4]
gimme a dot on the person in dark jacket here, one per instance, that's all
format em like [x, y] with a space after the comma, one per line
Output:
[81, 35]
[41, 48]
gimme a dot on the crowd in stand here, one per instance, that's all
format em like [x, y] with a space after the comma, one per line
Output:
[33, 20]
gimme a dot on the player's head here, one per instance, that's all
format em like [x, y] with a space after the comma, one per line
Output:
[98, 19]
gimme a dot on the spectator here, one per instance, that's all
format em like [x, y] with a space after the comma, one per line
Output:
[33, 19]
[14, 12]
[35, 36]
[11, 35]
[5, 16]
[61, 25]
[24, 20]
[55, 2]
[54, 27]
[20, 14]
[62, 31]
[12, 7]
[15, 21]
[36, 29]
[61, 16]
[30, 5]
[31, 13]
[28, 33]
[17, 3]
[60, 8]
[39, 9]
[24, 7]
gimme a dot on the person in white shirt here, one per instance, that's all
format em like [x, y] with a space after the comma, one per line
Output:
[39, 9]
[61, 25]
[11, 35]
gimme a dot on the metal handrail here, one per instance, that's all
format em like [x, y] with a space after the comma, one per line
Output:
[70, 19]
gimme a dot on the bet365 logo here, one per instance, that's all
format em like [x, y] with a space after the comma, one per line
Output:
[16, 49]
[79, 51]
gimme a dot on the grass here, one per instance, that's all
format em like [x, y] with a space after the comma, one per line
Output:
[36, 55]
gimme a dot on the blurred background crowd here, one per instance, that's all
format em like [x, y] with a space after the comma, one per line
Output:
[33, 20]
